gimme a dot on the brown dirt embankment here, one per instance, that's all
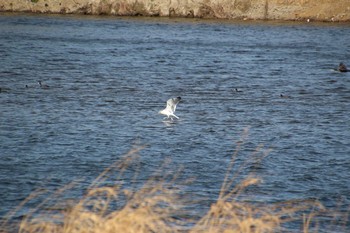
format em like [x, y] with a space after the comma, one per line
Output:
[320, 10]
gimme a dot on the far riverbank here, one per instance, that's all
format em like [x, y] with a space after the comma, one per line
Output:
[294, 10]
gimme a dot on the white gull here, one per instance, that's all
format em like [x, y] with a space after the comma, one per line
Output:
[170, 108]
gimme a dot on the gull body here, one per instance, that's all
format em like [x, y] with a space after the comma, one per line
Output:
[170, 108]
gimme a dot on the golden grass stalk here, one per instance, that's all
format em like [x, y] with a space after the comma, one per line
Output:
[230, 214]
[157, 204]
[149, 209]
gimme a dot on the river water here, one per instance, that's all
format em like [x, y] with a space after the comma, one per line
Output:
[108, 77]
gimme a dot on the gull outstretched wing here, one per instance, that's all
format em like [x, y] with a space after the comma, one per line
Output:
[171, 104]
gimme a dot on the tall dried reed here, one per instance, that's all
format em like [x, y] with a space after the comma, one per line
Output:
[157, 204]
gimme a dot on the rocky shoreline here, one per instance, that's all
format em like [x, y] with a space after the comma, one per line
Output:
[315, 10]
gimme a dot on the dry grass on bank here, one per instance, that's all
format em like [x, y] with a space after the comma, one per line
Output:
[159, 206]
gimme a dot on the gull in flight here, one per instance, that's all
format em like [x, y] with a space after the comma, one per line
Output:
[170, 108]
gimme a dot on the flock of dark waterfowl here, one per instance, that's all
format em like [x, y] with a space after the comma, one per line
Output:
[41, 85]
[341, 68]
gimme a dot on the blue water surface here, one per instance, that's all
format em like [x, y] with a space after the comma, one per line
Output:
[108, 77]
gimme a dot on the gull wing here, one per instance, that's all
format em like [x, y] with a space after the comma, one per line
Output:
[171, 104]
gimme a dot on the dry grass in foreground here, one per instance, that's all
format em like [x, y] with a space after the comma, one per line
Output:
[157, 206]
